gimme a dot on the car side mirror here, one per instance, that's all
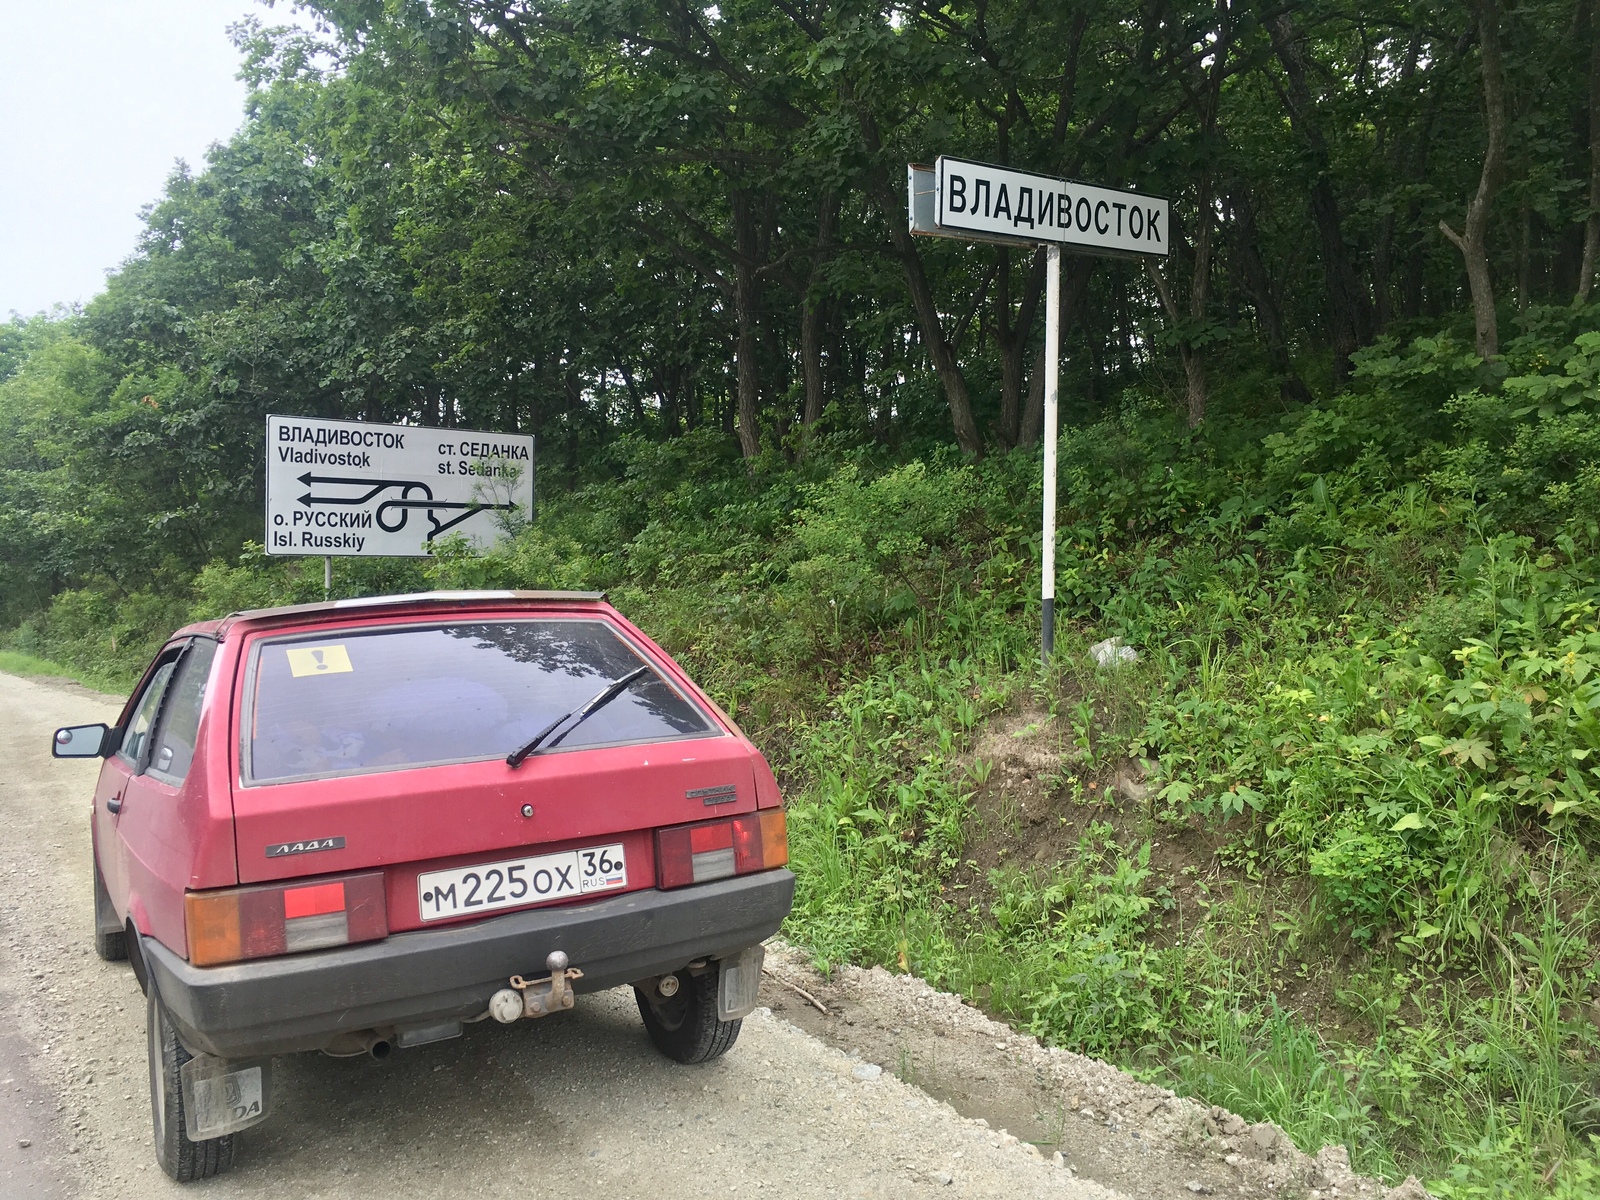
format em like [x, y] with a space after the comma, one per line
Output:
[84, 741]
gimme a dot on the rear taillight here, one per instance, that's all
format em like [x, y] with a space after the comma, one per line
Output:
[708, 850]
[259, 922]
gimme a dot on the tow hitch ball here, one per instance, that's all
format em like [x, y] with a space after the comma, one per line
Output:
[537, 997]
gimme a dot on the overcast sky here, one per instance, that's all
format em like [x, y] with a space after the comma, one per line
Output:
[97, 100]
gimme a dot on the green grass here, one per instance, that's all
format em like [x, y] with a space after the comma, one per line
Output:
[1464, 1059]
[13, 662]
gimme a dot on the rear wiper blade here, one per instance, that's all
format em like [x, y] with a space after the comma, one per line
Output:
[600, 699]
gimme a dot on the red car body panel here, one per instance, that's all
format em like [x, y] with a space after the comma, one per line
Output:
[213, 831]
[475, 808]
[166, 840]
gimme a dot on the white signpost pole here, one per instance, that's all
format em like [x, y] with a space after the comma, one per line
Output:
[980, 202]
[1052, 384]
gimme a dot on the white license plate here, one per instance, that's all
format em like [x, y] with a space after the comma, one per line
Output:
[487, 886]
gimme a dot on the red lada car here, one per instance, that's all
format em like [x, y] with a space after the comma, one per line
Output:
[357, 826]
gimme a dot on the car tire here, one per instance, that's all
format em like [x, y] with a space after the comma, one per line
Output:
[684, 1027]
[180, 1157]
[110, 942]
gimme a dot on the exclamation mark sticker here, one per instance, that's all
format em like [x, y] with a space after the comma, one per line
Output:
[321, 660]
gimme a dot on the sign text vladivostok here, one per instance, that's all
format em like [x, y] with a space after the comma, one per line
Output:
[339, 487]
[984, 199]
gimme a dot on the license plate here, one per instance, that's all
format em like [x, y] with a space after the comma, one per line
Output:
[519, 881]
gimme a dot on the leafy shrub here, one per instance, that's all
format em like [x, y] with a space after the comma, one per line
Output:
[1366, 878]
[872, 550]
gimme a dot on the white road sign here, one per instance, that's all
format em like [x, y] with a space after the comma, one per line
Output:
[973, 200]
[340, 487]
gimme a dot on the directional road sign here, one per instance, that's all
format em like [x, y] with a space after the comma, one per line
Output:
[346, 488]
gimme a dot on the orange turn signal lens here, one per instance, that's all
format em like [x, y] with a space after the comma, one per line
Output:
[774, 838]
[212, 919]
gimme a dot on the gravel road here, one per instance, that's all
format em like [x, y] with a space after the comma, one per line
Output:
[577, 1104]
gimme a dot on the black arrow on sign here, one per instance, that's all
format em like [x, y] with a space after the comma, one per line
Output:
[375, 486]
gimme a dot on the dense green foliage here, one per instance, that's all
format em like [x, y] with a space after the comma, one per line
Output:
[598, 222]
[1325, 852]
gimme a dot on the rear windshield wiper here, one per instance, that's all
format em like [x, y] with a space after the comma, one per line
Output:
[600, 699]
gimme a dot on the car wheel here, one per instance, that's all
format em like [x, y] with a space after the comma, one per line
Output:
[179, 1156]
[110, 942]
[684, 1027]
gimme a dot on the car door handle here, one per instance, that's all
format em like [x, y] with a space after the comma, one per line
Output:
[114, 805]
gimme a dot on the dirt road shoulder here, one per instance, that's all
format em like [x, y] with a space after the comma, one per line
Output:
[1104, 1124]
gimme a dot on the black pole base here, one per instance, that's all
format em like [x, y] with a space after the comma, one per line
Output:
[1048, 638]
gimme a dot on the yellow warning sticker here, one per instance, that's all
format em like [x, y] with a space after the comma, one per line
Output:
[321, 660]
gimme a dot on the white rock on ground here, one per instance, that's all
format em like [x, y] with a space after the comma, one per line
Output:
[1113, 653]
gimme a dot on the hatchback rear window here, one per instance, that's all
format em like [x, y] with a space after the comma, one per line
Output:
[384, 699]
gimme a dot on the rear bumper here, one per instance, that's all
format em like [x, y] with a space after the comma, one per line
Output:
[302, 1001]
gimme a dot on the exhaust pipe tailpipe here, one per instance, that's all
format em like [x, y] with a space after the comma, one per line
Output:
[356, 1042]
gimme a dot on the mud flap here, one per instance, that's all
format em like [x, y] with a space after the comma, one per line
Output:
[738, 982]
[222, 1096]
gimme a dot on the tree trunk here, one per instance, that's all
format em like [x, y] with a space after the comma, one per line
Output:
[812, 321]
[814, 317]
[1007, 341]
[693, 404]
[1258, 282]
[945, 366]
[1416, 252]
[730, 399]
[1194, 384]
[635, 400]
[1591, 225]
[1349, 310]
[665, 383]
[1524, 256]
[574, 396]
[1472, 240]
[1012, 341]
[1194, 374]
[1119, 292]
[1194, 371]
[1383, 246]
[746, 306]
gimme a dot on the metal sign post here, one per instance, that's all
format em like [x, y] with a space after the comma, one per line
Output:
[1052, 383]
[981, 202]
